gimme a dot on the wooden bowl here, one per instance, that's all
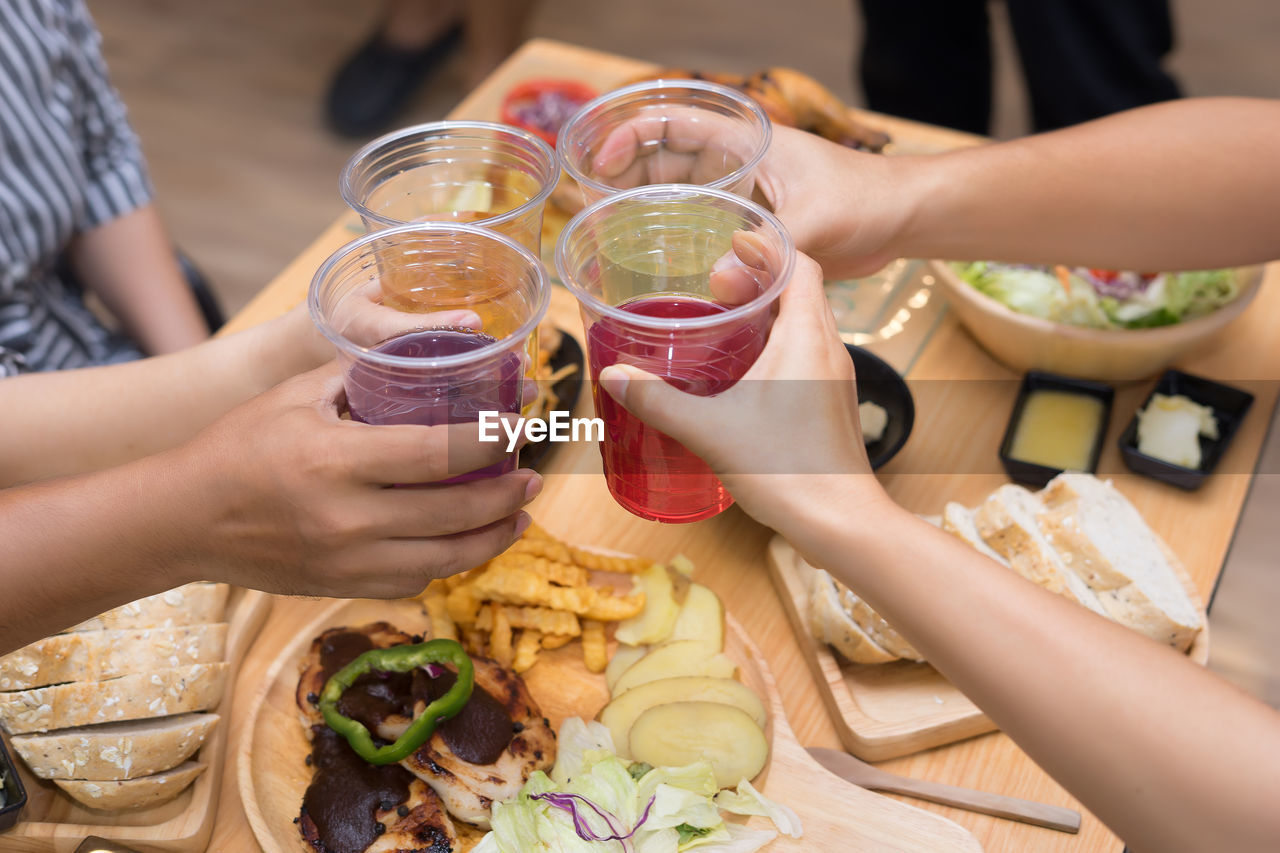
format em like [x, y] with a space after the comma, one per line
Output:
[1023, 342]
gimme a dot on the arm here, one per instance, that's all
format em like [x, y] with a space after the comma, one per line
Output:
[1167, 754]
[130, 264]
[1181, 185]
[280, 495]
[121, 252]
[81, 420]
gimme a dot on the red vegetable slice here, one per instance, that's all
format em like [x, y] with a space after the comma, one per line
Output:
[542, 106]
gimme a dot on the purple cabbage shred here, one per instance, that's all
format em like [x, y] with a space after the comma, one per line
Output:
[570, 803]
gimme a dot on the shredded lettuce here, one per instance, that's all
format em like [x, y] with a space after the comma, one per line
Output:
[592, 793]
[1166, 299]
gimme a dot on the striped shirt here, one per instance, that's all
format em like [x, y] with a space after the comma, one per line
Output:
[69, 162]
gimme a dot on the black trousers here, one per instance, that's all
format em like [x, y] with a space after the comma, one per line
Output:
[930, 60]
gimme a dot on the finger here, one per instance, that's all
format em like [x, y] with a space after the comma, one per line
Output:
[408, 453]
[443, 510]
[403, 567]
[655, 402]
[748, 270]
[679, 130]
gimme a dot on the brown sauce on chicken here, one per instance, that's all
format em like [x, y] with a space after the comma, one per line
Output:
[481, 732]
[346, 793]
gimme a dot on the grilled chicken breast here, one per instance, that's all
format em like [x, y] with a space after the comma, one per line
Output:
[420, 825]
[470, 790]
[500, 699]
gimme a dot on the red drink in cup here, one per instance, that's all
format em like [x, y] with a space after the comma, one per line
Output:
[404, 366]
[640, 264]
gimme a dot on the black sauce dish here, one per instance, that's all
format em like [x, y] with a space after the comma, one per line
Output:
[1229, 405]
[879, 383]
[1031, 473]
[535, 454]
[15, 796]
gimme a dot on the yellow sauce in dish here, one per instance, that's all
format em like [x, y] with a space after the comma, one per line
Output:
[1057, 429]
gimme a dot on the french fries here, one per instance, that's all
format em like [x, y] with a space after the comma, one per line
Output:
[595, 651]
[500, 636]
[527, 648]
[537, 595]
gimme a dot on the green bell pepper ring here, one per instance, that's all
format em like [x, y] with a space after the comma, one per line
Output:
[398, 659]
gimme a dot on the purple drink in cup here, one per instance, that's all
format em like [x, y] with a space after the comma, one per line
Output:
[411, 363]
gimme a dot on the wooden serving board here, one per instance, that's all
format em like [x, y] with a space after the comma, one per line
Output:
[836, 814]
[54, 822]
[892, 709]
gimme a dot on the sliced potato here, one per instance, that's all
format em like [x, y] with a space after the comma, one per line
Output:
[621, 713]
[681, 733]
[652, 624]
[621, 661]
[701, 618]
[673, 660]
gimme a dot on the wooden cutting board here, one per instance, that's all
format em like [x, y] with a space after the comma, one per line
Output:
[54, 822]
[886, 710]
[836, 814]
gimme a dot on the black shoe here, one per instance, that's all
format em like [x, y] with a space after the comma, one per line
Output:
[373, 86]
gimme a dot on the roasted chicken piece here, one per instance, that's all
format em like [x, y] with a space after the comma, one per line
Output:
[483, 755]
[418, 825]
[469, 789]
[794, 99]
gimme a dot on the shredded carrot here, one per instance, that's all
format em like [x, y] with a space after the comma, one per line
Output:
[1064, 278]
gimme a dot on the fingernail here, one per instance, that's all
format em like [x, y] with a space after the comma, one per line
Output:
[615, 380]
[523, 520]
[533, 488]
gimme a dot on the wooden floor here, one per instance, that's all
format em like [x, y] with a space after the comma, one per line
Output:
[226, 98]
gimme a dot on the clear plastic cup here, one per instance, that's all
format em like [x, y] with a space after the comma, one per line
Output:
[678, 131]
[409, 367]
[640, 263]
[474, 172]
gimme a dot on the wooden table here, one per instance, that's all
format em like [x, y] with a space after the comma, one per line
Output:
[729, 550]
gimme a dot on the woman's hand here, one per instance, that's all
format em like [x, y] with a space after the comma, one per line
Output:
[290, 498]
[787, 433]
[844, 208]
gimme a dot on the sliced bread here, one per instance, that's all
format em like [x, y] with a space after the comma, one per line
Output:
[133, 794]
[115, 751]
[830, 624]
[1007, 521]
[193, 604]
[875, 626]
[131, 697]
[99, 655]
[1106, 540]
[958, 521]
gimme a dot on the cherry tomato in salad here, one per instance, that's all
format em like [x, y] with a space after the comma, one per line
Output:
[542, 106]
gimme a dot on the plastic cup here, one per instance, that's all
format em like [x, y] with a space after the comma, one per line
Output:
[474, 172]
[692, 132]
[640, 264]
[404, 366]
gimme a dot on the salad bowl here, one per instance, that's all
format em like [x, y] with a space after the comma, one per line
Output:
[1023, 341]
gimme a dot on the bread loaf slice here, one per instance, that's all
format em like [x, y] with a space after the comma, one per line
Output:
[1108, 542]
[958, 521]
[115, 751]
[133, 794]
[875, 626]
[99, 655]
[830, 624]
[131, 697]
[1007, 521]
[193, 604]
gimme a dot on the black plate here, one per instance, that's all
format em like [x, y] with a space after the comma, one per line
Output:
[1039, 475]
[1229, 405]
[535, 454]
[879, 383]
[15, 796]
